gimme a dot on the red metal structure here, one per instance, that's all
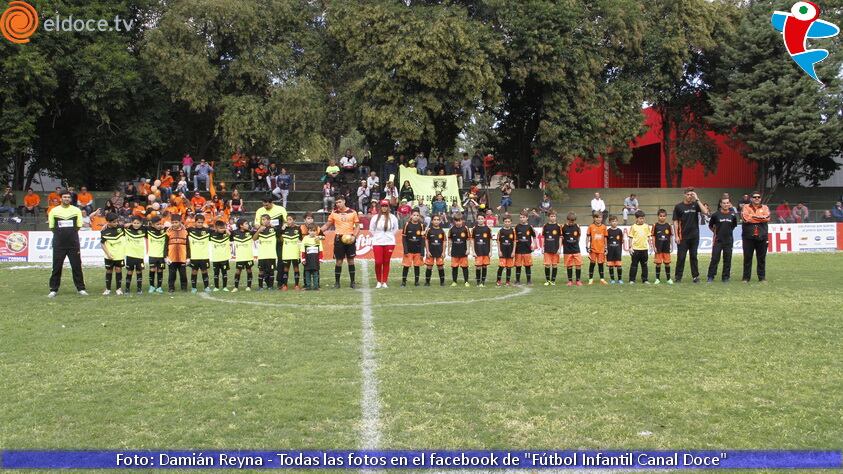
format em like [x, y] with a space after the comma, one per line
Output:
[647, 167]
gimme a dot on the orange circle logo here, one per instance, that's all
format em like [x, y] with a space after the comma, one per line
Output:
[19, 22]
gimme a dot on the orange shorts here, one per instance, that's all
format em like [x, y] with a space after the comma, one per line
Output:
[506, 262]
[481, 260]
[573, 260]
[615, 263]
[661, 258]
[597, 257]
[430, 261]
[412, 260]
[551, 259]
[459, 262]
[523, 260]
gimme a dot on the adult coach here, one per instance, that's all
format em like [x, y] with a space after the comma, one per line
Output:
[345, 222]
[754, 235]
[65, 221]
[686, 227]
[383, 228]
[277, 218]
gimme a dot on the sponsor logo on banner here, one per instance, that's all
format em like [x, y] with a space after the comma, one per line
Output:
[814, 237]
[13, 246]
[41, 247]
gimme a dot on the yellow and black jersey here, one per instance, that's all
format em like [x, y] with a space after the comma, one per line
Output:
[113, 239]
[135, 242]
[157, 242]
[65, 223]
[198, 243]
[244, 246]
[220, 247]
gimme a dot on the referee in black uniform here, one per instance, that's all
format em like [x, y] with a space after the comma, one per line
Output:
[686, 223]
[65, 221]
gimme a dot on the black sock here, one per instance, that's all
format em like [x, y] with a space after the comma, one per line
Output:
[193, 278]
[620, 273]
[108, 277]
[570, 273]
[442, 274]
[404, 272]
[500, 272]
[612, 273]
[237, 280]
[477, 273]
[260, 279]
[508, 274]
[216, 278]
[483, 274]
[427, 274]
[517, 274]
[591, 270]
[249, 278]
[416, 274]
[351, 272]
[337, 274]
[140, 280]
[296, 276]
[600, 270]
[658, 271]
[528, 272]
[667, 271]
[224, 279]
[465, 274]
[579, 273]
[553, 274]
[128, 282]
[454, 273]
[547, 273]
[119, 279]
[205, 279]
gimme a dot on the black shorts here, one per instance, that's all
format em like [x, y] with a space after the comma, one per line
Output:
[244, 265]
[614, 254]
[133, 263]
[221, 265]
[110, 264]
[199, 264]
[342, 250]
[156, 262]
[267, 264]
[292, 263]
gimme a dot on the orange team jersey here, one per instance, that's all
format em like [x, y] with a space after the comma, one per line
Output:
[188, 221]
[598, 235]
[177, 245]
[304, 230]
[344, 222]
[97, 222]
[31, 200]
[139, 211]
[144, 189]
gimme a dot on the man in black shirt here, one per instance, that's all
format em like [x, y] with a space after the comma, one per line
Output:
[722, 224]
[65, 221]
[686, 223]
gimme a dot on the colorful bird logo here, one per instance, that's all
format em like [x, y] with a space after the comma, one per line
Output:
[797, 26]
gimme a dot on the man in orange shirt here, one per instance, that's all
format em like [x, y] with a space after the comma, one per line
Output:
[85, 200]
[97, 220]
[166, 185]
[197, 201]
[346, 222]
[31, 202]
[754, 234]
[53, 199]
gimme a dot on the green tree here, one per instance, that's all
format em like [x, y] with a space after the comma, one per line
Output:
[779, 116]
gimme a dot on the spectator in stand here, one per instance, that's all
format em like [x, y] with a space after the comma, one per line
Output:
[239, 165]
[390, 169]
[837, 211]
[328, 199]
[282, 186]
[800, 213]
[534, 218]
[477, 167]
[166, 185]
[236, 204]
[439, 207]
[365, 164]
[404, 211]
[53, 199]
[598, 206]
[491, 218]
[407, 192]
[455, 208]
[465, 170]
[85, 200]
[130, 191]
[630, 206]
[783, 213]
[273, 172]
[32, 200]
[202, 174]
[181, 186]
[743, 202]
[260, 173]
[470, 206]
[253, 164]
[9, 203]
[373, 183]
[197, 201]
[506, 195]
[488, 166]
[390, 193]
[363, 196]
[116, 200]
[421, 163]
[438, 165]
[144, 188]
[332, 172]
[424, 211]
[348, 163]
[827, 217]
[187, 165]
[126, 210]
[545, 205]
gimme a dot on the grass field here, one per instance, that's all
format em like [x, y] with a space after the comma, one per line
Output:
[689, 366]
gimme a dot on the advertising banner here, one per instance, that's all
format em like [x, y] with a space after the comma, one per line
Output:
[14, 246]
[427, 187]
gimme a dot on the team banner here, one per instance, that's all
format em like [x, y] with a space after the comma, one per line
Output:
[428, 459]
[427, 187]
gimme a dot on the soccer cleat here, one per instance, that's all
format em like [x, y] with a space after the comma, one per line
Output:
[352, 285]
[657, 282]
[248, 288]
[297, 288]
[646, 282]
[171, 291]
[139, 292]
[726, 280]
[620, 282]
[547, 283]
[762, 281]
[216, 289]
[498, 283]
[337, 286]
[696, 279]
[570, 283]
[159, 290]
[83, 293]
[378, 286]
[207, 289]
[631, 282]
[467, 284]
[427, 283]
[441, 283]
[591, 281]
[235, 290]
[454, 284]
[603, 282]
[151, 289]
[416, 284]
[403, 284]
[382, 286]
[119, 292]
[106, 292]
[225, 289]
[284, 288]
[481, 285]
[611, 282]
[669, 281]
[552, 283]
[508, 284]
[193, 290]
[579, 283]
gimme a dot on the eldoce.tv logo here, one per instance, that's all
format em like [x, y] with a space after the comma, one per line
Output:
[20, 21]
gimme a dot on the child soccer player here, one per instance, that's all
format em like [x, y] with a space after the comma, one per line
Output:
[614, 250]
[434, 243]
[506, 250]
[290, 252]
[722, 224]
[267, 238]
[481, 247]
[571, 248]
[308, 219]
[550, 236]
[135, 244]
[458, 249]
[177, 253]
[157, 242]
[198, 252]
[662, 241]
[640, 241]
[244, 253]
[311, 255]
[220, 254]
[595, 242]
[524, 245]
[413, 240]
[112, 237]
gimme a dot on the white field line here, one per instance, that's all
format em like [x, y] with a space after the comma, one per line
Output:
[370, 403]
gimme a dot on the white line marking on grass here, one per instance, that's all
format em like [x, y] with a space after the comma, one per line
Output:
[370, 402]
[524, 291]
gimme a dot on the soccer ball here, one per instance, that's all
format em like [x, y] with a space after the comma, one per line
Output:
[347, 239]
